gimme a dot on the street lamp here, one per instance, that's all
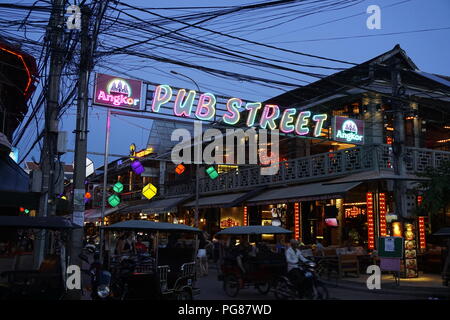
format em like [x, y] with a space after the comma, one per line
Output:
[197, 167]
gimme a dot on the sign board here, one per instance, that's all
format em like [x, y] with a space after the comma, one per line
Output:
[348, 130]
[390, 247]
[117, 92]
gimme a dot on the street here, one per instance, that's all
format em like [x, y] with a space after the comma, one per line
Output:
[211, 289]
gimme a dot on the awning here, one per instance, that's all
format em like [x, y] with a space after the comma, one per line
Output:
[223, 200]
[92, 215]
[156, 206]
[374, 176]
[243, 230]
[151, 226]
[14, 186]
[52, 222]
[304, 192]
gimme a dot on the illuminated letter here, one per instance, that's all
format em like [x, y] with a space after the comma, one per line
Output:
[302, 121]
[287, 119]
[184, 109]
[320, 119]
[101, 95]
[253, 108]
[206, 101]
[159, 100]
[269, 119]
[233, 106]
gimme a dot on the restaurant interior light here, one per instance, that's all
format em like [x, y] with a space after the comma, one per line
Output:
[149, 191]
[212, 172]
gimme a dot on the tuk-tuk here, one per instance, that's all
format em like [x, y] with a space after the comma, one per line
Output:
[18, 278]
[165, 271]
[242, 266]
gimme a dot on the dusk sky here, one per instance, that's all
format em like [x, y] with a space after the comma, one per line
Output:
[348, 39]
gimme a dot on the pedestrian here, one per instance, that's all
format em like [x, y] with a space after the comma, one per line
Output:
[202, 257]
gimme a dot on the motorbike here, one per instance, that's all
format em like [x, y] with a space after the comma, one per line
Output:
[92, 245]
[313, 287]
[100, 278]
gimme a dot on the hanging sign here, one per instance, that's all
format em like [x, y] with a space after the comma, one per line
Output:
[348, 130]
[117, 92]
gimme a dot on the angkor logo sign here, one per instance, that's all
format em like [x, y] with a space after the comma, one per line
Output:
[348, 130]
[118, 92]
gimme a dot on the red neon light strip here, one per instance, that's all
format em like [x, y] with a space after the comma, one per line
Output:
[382, 206]
[296, 221]
[422, 241]
[370, 222]
[26, 68]
[245, 216]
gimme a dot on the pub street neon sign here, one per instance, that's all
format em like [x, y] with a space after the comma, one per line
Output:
[126, 93]
[271, 116]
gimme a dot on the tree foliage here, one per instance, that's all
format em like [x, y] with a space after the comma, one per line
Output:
[436, 190]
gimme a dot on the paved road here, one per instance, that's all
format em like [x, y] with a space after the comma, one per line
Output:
[211, 289]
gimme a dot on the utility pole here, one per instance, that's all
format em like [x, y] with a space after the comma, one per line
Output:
[81, 132]
[398, 144]
[47, 205]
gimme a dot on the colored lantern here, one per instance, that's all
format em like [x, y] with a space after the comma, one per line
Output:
[87, 195]
[212, 172]
[27, 211]
[114, 200]
[22, 209]
[180, 169]
[137, 167]
[149, 191]
[118, 187]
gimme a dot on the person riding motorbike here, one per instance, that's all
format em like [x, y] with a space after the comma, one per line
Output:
[295, 274]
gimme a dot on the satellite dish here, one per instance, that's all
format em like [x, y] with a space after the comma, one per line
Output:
[89, 167]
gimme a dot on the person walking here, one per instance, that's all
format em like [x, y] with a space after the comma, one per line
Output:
[202, 257]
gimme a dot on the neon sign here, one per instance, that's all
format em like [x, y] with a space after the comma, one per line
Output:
[370, 221]
[348, 130]
[269, 116]
[117, 92]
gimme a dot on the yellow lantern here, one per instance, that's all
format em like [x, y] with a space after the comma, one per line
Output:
[149, 191]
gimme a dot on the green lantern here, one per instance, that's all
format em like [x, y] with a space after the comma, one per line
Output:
[118, 187]
[27, 211]
[212, 172]
[114, 200]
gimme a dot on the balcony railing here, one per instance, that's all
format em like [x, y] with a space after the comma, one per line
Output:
[317, 167]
